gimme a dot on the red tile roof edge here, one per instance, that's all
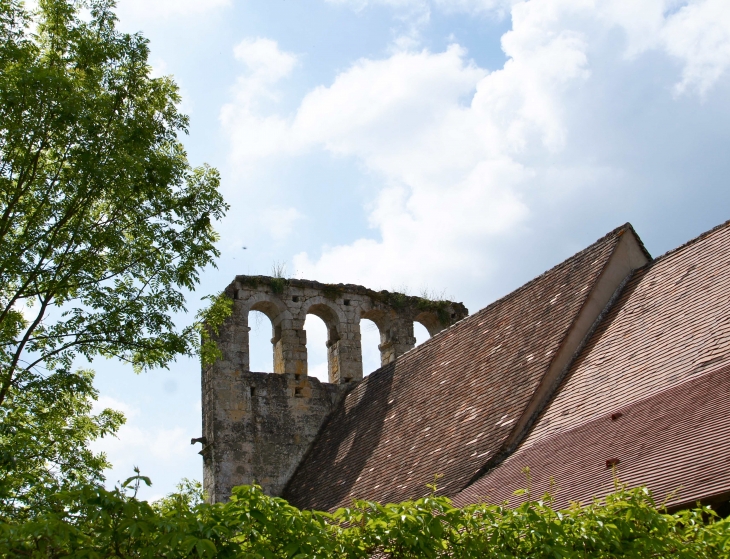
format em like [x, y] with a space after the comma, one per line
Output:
[498, 458]
[505, 452]
[692, 241]
[512, 293]
[614, 234]
[511, 446]
[471, 495]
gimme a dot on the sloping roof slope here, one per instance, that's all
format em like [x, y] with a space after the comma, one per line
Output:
[448, 405]
[671, 324]
[675, 442]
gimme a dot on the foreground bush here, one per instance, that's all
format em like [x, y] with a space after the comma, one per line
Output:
[97, 523]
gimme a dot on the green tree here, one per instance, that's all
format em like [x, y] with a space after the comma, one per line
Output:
[45, 431]
[92, 522]
[104, 229]
[103, 223]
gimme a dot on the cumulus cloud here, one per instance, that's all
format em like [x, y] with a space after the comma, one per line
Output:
[459, 150]
[107, 402]
[699, 35]
[696, 32]
[424, 5]
[361, 4]
[443, 134]
[266, 65]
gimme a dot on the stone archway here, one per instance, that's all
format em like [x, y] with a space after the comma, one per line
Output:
[288, 301]
[257, 426]
[279, 316]
[344, 355]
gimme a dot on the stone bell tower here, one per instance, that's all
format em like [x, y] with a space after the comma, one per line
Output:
[258, 426]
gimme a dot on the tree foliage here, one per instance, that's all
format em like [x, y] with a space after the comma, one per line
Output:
[104, 228]
[45, 431]
[103, 223]
[93, 522]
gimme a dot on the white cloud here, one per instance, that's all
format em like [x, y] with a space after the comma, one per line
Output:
[266, 64]
[697, 32]
[443, 134]
[460, 150]
[280, 222]
[169, 8]
[166, 445]
[699, 35]
[138, 443]
[361, 4]
[107, 402]
[498, 7]
[264, 60]
[469, 6]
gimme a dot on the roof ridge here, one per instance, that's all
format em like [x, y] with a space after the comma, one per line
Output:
[643, 248]
[616, 232]
[691, 242]
[367, 431]
[521, 430]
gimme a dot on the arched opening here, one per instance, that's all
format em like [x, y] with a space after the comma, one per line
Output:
[373, 336]
[369, 340]
[420, 333]
[257, 336]
[261, 355]
[425, 325]
[317, 359]
[331, 322]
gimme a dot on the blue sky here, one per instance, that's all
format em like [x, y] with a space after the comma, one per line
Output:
[456, 146]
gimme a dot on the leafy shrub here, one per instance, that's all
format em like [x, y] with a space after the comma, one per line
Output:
[93, 522]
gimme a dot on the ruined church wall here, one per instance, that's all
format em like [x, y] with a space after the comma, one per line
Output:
[257, 427]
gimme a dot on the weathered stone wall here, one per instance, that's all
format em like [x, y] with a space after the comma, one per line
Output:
[258, 426]
[257, 429]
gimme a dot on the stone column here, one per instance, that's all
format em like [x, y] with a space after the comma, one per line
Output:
[345, 355]
[232, 339]
[290, 348]
[224, 397]
[399, 338]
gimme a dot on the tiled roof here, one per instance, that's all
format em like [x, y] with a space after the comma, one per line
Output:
[671, 324]
[672, 321]
[448, 405]
[676, 441]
